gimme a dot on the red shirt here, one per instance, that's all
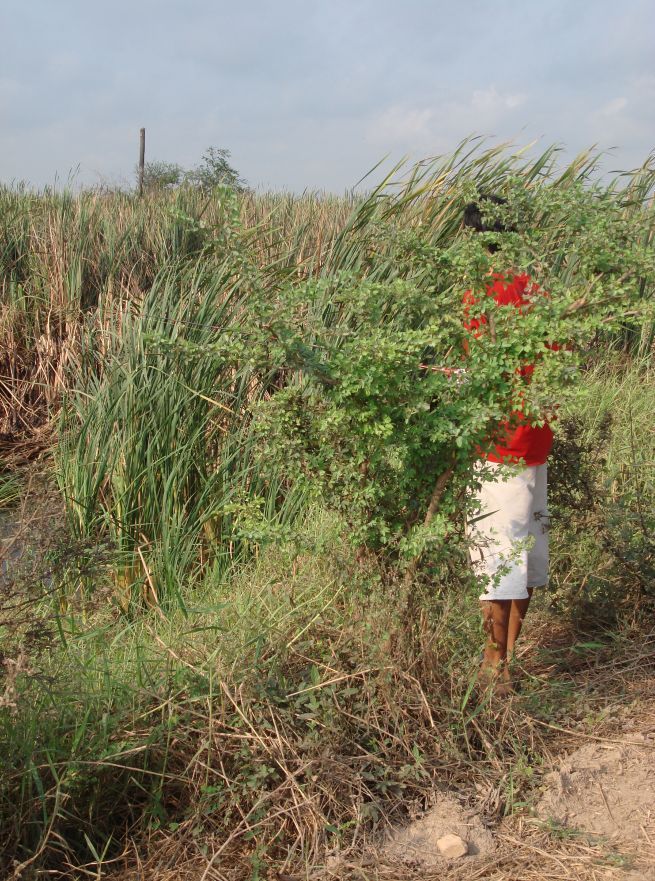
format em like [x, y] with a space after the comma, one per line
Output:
[518, 438]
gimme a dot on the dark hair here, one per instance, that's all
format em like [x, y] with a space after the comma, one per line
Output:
[473, 215]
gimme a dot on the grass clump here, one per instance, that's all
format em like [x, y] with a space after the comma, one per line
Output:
[604, 495]
[276, 716]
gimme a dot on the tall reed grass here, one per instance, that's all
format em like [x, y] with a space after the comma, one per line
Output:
[156, 452]
[66, 258]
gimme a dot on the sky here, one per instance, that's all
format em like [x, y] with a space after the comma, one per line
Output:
[311, 94]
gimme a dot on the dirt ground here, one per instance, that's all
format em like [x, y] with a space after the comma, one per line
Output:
[607, 792]
[590, 816]
[594, 819]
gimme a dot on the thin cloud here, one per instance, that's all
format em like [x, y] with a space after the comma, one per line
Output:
[402, 125]
[492, 101]
[416, 128]
[616, 105]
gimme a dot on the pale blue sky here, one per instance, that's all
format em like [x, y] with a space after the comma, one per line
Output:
[312, 94]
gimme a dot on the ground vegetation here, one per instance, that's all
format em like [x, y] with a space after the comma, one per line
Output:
[238, 627]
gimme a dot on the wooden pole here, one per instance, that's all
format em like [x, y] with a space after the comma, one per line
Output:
[142, 158]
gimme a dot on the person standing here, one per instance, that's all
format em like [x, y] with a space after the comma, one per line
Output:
[509, 534]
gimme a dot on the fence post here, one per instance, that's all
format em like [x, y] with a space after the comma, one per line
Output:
[142, 158]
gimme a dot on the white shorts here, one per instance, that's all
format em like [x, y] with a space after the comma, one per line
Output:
[511, 534]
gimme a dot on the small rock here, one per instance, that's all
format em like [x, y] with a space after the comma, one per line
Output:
[452, 846]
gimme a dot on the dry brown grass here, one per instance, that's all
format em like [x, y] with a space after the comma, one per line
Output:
[65, 259]
[615, 694]
[381, 700]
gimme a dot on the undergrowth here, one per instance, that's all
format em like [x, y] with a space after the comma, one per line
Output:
[241, 633]
[293, 710]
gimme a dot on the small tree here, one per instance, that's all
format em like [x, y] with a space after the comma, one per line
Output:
[162, 175]
[215, 170]
[393, 397]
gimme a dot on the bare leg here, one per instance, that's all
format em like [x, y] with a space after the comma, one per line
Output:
[517, 613]
[495, 621]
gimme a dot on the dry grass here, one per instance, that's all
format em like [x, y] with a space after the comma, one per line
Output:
[379, 704]
[357, 746]
[527, 849]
